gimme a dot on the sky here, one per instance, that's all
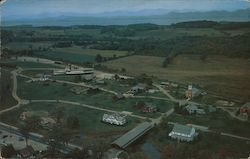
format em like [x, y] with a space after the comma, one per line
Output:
[62, 7]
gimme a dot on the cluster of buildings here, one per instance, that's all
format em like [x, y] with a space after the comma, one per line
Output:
[74, 70]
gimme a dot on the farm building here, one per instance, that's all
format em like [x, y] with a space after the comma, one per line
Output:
[78, 90]
[183, 133]
[88, 77]
[100, 82]
[139, 88]
[47, 122]
[192, 109]
[245, 109]
[93, 90]
[115, 119]
[44, 78]
[119, 96]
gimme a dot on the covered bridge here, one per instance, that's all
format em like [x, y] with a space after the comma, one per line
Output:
[131, 136]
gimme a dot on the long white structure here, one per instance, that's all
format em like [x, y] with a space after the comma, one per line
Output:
[115, 119]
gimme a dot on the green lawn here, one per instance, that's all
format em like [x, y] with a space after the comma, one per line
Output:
[57, 91]
[89, 119]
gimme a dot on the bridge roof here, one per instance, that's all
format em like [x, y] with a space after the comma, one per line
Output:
[133, 135]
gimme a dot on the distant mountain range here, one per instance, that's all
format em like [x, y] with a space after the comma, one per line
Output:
[160, 16]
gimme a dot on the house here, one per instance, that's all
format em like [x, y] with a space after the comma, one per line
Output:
[44, 78]
[115, 119]
[211, 109]
[192, 109]
[87, 78]
[245, 109]
[93, 90]
[78, 90]
[193, 92]
[139, 88]
[27, 153]
[47, 122]
[119, 96]
[100, 82]
[183, 133]
[149, 108]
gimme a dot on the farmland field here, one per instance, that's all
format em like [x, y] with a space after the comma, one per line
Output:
[91, 52]
[225, 76]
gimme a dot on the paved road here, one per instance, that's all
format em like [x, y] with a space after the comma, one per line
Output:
[34, 137]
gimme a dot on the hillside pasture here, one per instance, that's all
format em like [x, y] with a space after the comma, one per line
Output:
[225, 76]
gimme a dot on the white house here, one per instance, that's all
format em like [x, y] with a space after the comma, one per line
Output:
[183, 133]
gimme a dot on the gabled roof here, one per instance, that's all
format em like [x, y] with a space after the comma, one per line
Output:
[183, 129]
[192, 107]
[247, 105]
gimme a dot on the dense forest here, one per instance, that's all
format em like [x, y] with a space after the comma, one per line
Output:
[130, 38]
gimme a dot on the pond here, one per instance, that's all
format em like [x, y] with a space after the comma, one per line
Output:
[151, 151]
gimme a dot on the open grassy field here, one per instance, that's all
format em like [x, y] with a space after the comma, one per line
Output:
[179, 32]
[91, 52]
[26, 64]
[58, 55]
[56, 91]
[218, 74]
[78, 54]
[91, 127]
[17, 46]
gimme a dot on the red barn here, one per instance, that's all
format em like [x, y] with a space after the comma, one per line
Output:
[245, 108]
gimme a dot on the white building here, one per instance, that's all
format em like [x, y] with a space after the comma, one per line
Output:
[115, 119]
[183, 133]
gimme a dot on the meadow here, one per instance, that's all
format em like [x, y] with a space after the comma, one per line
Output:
[90, 125]
[221, 75]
